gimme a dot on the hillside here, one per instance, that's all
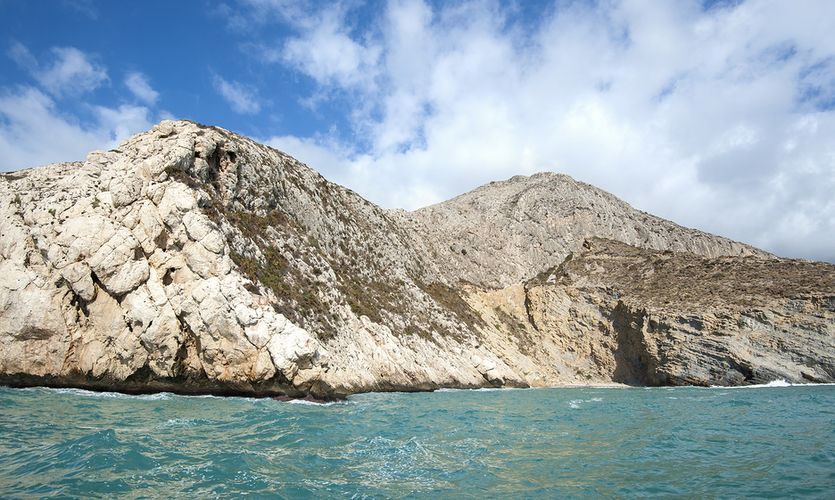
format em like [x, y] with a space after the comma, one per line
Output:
[194, 260]
[506, 232]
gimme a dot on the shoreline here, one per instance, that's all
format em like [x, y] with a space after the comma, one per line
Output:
[310, 399]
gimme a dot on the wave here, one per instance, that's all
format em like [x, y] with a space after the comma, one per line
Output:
[774, 383]
[158, 396]
[310, 403]
[155, 396]
[184, 422]
[487, 389]
[574, 404]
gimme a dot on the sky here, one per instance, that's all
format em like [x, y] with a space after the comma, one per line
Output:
[718, 115]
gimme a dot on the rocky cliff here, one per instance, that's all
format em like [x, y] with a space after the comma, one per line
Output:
[194, 260]
[645, 317]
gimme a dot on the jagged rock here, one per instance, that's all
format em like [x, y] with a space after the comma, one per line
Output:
[79, 276]
[195, 260]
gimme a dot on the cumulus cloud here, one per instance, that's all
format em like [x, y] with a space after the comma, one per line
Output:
[35, 128]
[327, 53]
[138, 84]
[323, 46]
[34, 132]
[717, 118]
[242, 98]
[67, 72]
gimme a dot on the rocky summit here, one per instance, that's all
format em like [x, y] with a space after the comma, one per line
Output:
[194, 260]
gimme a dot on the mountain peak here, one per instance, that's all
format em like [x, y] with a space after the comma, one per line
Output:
[508, 231]
[193, 259]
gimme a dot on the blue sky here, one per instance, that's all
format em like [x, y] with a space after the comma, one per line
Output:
[182, 48]
[718, 115]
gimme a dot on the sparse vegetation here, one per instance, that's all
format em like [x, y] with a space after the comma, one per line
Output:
[359, 265]
[683, 280]
[451, 300]
[286, 282]
[517, 328]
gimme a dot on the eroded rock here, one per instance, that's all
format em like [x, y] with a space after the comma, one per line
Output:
[194, 260]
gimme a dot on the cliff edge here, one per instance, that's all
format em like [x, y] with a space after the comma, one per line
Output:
[194, 260]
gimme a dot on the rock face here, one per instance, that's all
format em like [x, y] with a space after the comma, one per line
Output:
[507, 232]
[194, 260]
[662, 318]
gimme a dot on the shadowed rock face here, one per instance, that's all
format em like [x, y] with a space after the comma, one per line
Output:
[194, 260]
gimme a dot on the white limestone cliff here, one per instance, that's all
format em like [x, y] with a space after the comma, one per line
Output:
[195, 260]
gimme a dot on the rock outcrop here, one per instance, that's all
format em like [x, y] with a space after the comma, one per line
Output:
[645, 317]
[194, 260]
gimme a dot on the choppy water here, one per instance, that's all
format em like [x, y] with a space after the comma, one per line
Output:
[761, 442]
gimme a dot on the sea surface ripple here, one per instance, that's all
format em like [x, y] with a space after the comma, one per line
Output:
[544, 443]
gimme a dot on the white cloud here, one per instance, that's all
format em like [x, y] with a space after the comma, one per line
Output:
[36, 128]
[121, 122]
[327, 158]
[241, 98]
[323, 48]
[138, 84]
[69, 72]
[719, 119]
[34, 132]
[328, 54]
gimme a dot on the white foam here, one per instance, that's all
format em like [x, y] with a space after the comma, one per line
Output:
[488, 389]
[575, 403]
[777, 383]
[774, 383]
[111, 395]
[153, 397]
[309, 403]
[181, 422]
[212, 396]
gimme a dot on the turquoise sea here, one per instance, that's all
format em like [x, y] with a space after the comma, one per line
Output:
[540, 443]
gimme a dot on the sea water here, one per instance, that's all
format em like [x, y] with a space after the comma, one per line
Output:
[541, 443]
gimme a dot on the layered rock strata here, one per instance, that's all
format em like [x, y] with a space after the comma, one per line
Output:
[613, 312]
